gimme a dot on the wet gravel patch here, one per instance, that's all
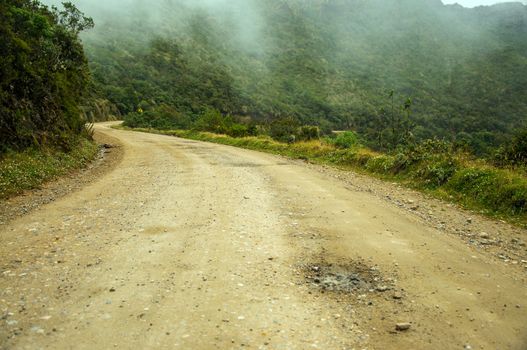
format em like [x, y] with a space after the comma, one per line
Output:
[350, 278]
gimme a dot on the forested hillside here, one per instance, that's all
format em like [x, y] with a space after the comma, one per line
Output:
[332, 63]
[44, 85]
[43, 75]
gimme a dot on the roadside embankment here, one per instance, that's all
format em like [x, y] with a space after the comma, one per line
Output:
[31, 179]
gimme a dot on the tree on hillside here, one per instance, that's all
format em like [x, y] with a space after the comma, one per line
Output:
[327, 63]
[43, 74]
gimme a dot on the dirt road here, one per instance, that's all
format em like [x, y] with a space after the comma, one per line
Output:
[199, 246]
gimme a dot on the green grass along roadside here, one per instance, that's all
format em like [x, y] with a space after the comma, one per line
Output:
[475, 185]
[29, 169]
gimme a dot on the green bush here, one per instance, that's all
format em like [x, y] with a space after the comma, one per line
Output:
[436, 174]
[238, 130]
[494, 189]
[308, 133]
[514, 153]
[284, 129]
[252, 130]
[135, 120]
[347, 139]
[213, 121]
[381, 164]
[427, 149]
[162, 117]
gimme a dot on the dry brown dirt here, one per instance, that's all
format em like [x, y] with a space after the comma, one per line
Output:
[190, 245]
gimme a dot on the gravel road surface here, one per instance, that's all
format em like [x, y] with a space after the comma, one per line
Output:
[190, 245]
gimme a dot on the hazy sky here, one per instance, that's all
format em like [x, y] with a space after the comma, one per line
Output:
[466, 3]
[473, 3]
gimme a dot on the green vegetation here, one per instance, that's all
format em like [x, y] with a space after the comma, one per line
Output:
[43, 79]
[514, 153]
[347, 139]
[419, 89]
[335, 64]
[43, 74]
[434, 166]
[20, 171]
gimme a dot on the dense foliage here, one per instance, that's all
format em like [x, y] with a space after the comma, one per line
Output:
[338, 64]
[513, 153]
[43, 74]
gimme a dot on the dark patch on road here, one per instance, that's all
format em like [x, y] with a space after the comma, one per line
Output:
[350, 278]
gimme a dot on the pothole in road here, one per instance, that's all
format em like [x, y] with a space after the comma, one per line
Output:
[350, 278]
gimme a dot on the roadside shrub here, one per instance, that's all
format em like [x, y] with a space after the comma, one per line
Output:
[381, 164]
[474, 181]
[308, 133]
[134, 120]
[238, 130]
[497, 190]
[162, 117]
[284, 129]
[514, 153]
[426, 149]
[362, 156]
[356, 157]
[401, 162]
[347, 139]
[252, 130]
[436, 174]
[212, 120]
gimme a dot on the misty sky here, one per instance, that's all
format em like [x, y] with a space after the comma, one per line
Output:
[473, 3]
[465, 3]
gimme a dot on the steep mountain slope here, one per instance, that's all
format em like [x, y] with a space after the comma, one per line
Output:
[331, 63]
[43, 74]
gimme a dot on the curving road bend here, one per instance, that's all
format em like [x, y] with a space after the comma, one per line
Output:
[189, 245]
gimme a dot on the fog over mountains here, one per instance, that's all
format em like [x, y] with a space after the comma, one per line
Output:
[327, 62]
